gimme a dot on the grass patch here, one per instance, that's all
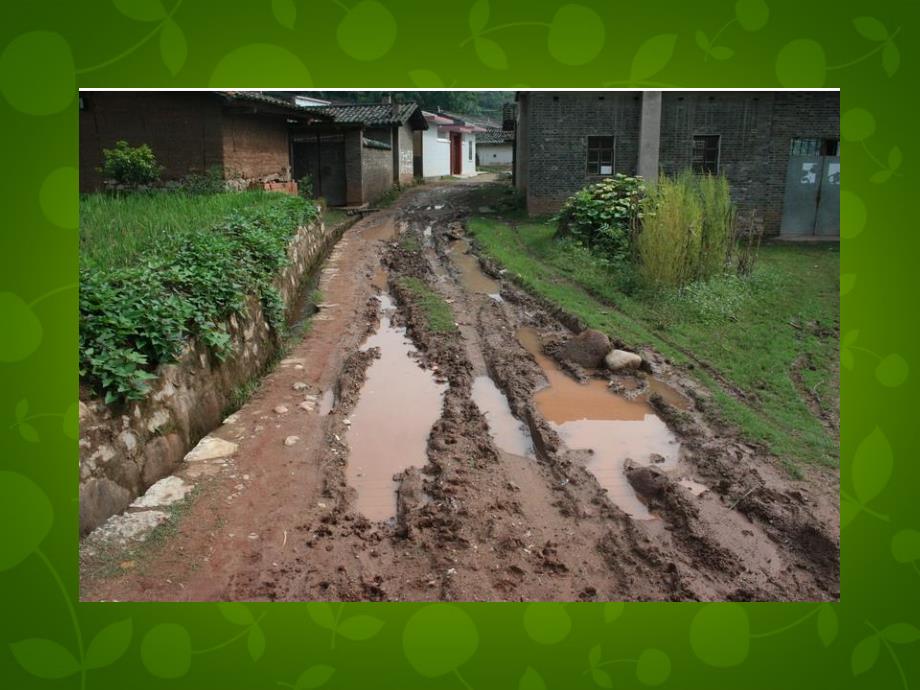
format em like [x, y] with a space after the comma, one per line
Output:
[334, 216]
[410, 242]
[438, 315]
[118, 231]
[747, 332]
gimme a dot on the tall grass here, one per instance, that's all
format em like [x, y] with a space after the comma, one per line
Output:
[687, 231]
[718, 220]
[669, 243]
[117, 231]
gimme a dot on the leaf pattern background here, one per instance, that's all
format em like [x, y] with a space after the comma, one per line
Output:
[47, 51]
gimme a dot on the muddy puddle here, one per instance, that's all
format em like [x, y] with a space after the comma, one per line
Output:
[390, 424]
[590, 417]
[384, 228]
[471, 275]
[508, 432]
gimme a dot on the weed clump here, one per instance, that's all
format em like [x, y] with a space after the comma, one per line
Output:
[438, 316]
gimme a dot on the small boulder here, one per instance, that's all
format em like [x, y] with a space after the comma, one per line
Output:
[619, 360]
[646, 481]
[291, 441]
[586, 349]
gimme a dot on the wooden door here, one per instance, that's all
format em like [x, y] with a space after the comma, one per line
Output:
[456, 153]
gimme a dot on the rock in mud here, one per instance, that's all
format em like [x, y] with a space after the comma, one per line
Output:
[291, 440]
[587, 349]
[620, 360]
[648, 482]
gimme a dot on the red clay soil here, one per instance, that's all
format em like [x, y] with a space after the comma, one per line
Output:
[472, 521]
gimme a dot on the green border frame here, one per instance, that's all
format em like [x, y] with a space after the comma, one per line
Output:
[48, 50]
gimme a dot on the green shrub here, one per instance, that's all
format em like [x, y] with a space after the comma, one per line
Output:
[129, 166]
[210, 182]
[134, 318]
[305, 187]
[603, 216]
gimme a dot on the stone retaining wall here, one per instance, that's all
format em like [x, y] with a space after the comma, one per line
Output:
[125, 449]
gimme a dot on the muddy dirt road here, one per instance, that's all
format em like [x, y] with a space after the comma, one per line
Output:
[428, 439]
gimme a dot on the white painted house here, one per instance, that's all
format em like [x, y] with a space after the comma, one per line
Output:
[495, 147]
[448, 146]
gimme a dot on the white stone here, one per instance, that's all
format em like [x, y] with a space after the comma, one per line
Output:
[299, 386]
[165, 492]
[617, 360]
[280, 409]
[211, 447]
[129, 440]
[130, 526]
[291, 440]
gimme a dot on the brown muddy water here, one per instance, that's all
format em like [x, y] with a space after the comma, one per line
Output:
[471, 275]
[590, 417]
[508, 432]
[383, 229]
[389, 427]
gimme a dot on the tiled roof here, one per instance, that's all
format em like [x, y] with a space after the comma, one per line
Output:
[257, 97]
[374, 114]
[494, 135]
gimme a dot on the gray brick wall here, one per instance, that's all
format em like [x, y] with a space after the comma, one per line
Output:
[755, 129]
[558, 127]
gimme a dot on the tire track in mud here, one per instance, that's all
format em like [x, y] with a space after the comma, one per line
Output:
[475, 522]
[725, 545]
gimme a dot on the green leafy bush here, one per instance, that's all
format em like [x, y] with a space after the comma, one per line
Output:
[604, 216]
[129, 166]
[134, 318]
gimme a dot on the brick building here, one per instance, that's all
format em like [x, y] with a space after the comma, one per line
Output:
[246, 134]
[779, 150]
[360, 153]
[353, 154]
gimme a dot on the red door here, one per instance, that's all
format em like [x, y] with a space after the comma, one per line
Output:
[456, 151]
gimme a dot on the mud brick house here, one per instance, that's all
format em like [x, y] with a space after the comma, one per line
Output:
[778, 149]
[244, 133]
[359, 152]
